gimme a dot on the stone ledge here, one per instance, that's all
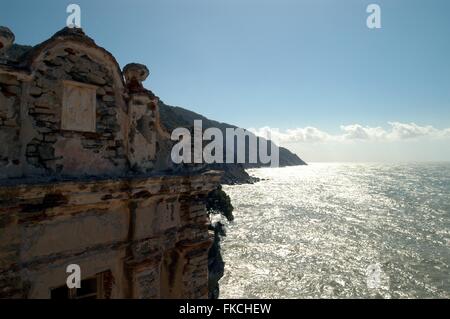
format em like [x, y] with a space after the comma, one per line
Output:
[40, 181]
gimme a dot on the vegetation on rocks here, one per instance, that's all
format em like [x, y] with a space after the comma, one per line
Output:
[218, 202]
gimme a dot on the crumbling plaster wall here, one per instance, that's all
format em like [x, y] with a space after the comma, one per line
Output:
[10, 93]
[47, 148]
[132, 228]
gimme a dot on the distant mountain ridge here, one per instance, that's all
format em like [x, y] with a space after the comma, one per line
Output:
[173, 117]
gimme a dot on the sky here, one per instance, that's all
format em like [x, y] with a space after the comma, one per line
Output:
[310, 71]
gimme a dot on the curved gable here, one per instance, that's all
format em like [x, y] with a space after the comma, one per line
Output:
[76, 108]
[78, 41]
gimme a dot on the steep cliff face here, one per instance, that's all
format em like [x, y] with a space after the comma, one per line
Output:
[217, 203]
[174, 117]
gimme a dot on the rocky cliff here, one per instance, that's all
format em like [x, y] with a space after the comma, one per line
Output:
[173, 117]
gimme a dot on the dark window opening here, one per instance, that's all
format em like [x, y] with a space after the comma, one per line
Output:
[91, 288]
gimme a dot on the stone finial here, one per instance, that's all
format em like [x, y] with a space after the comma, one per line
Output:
[135, 74]
[6, 39]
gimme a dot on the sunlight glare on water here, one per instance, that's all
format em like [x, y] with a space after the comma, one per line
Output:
[315, 231]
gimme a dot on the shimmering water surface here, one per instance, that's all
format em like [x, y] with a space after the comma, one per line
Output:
[319, 231]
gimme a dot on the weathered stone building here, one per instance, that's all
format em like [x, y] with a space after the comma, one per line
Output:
[86, 178]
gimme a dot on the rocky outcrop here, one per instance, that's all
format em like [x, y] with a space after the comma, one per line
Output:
[216, 265]
[174, 117]
[217, 203]
[234, 174]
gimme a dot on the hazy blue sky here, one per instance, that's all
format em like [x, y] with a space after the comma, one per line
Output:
[288, 64]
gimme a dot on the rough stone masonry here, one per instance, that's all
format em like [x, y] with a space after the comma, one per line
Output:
[86, 178]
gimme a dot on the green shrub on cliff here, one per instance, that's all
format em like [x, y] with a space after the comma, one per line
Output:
[219, 202]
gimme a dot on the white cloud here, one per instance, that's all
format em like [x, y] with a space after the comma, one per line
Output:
[303, 135]
[446, 133]
[359, 132]
[355, 132]
[401, 131]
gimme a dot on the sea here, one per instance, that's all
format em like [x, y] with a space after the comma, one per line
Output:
[340, 230]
